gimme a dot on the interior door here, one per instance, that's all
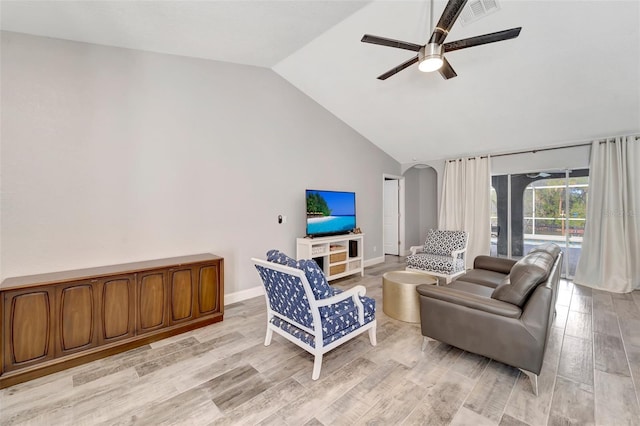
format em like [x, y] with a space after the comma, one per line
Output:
[391, 217]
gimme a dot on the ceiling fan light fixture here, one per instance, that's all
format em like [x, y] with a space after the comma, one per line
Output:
[430, 64]
[430, 58]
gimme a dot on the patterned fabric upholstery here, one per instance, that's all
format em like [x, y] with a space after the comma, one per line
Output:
[335, 326]
[319, 285]
[318, 282]
[435, 263]
[443, 243]
[287, 297]
[443, 254]
[276, 256]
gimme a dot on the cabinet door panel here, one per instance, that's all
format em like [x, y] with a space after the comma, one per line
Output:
[151, 301]
[117, 309]
[208, 290]
[77, 319]
[30, 322]
[181, 295]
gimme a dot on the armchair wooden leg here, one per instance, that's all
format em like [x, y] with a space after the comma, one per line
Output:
[317, 365]
[372, 336]
[267, 338]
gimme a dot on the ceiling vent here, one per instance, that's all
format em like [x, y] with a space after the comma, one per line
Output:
[477, 9]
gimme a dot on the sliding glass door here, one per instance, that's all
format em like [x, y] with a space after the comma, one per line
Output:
[533, 208]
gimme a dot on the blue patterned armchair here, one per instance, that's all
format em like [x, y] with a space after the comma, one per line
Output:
[442, 255]
[304, 309]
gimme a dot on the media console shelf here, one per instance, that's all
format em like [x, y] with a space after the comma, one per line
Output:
[50, 322]
[338, 256]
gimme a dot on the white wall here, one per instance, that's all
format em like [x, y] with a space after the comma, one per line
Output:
[428, 202]
[412, 208]
[421, 207]
[112, 155]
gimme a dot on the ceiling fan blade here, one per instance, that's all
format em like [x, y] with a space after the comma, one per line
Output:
[397, 69]
[389, 42]
[482, 39]
[447, 19]
[446, 71]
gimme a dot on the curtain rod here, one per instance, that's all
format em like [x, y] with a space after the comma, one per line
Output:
[533, 151]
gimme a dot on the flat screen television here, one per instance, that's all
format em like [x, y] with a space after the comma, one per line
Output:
[330, 212]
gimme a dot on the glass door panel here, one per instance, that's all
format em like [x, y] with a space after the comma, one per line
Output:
[535, 208]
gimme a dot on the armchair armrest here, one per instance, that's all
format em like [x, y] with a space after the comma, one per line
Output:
[354, 293]
[470, 300]
[416, 249]
[455, 253]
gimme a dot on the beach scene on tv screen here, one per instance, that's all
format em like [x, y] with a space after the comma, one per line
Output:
[330, 212]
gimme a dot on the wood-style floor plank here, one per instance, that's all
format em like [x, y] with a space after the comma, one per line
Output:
[223, 374]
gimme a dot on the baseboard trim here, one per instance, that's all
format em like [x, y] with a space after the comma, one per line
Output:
[374, 261]
[250, 293]
[239, 296]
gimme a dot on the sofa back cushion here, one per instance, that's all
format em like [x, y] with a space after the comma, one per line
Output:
[315, 276]
[525, 276]
[442, 243]
[551, 248]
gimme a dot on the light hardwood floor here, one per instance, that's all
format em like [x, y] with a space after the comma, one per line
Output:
[223, 374]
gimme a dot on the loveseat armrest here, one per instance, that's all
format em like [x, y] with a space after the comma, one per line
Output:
[470, 300]
[353, 293]
[496, 264]
[416, 249]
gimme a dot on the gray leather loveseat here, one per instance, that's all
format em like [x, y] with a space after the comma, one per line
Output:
[502, 309]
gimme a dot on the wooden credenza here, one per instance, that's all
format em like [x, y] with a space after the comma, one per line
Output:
[50, 322]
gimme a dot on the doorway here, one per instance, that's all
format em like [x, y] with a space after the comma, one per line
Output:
[393, 206]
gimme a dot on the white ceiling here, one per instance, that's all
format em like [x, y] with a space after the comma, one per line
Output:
[572, 75]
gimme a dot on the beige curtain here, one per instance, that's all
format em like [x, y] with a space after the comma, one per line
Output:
[610, 258]
[465, 203]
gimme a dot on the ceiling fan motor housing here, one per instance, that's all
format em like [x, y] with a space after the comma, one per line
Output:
[430, 57]
[430, 50]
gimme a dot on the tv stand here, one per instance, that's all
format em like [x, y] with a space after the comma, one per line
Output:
[338, 256]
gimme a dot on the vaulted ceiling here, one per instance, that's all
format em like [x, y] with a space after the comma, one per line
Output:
[572, 75]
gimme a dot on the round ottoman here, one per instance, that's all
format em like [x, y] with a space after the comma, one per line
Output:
[399, 296]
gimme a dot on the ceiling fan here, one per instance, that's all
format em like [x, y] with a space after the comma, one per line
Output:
[431, 55]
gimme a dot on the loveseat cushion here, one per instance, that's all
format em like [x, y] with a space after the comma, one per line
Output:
[525, 276]
[318, 282]
[483, 277]
[473, 288]
[443, 243]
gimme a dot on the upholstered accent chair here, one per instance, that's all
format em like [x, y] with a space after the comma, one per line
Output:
[441, 255]
[304, 309]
